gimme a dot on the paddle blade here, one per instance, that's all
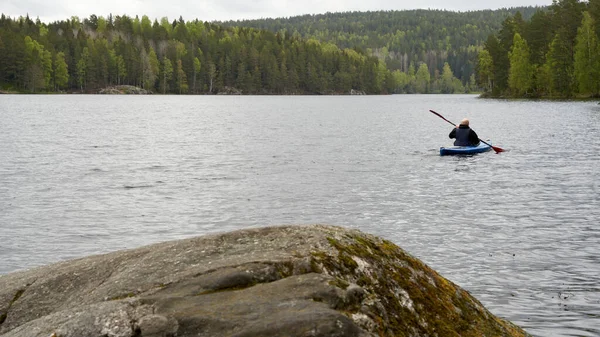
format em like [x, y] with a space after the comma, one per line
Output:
[497, 149]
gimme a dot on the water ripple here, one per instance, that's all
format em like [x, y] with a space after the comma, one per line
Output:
[81, 175]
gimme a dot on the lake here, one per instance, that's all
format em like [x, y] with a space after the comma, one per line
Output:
[88, 174]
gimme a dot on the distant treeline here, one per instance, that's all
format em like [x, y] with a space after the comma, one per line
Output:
[555, 54]
[176, 57]
[197, 57]
[373, 52]
[403, 39]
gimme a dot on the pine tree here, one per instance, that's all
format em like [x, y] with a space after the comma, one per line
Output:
[61, 71]
[197, 68]
[520, 74]
[422, 79]
[446, 85]
[587, 60]
[182, 84]
[559, 61]
[485, 70]
[167, 74]
[154, 67]
[34, 65]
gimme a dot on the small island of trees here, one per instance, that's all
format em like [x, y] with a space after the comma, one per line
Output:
[553, 55]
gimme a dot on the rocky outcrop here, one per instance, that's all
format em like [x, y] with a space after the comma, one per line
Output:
[124, 90]
[277, 281]
[229, 91]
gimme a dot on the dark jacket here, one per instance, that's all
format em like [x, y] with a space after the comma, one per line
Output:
[465, 136]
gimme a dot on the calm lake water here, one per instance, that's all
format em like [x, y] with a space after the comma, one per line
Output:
[81, 175]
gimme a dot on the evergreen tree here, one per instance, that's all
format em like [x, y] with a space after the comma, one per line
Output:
[544, 80]
[212, 72]
[500, 53]
[121, 69]
[485, 70]
[167, 74]
[61, 71]
[587, 58]
[497, 54]
[446, 85]
[197, 68]
[182, 85]
[422, 79]
[154, 68]
[520, 75]
[538, 37]
[35, 65]
[594, 11]
[47, 68]
[560, 63]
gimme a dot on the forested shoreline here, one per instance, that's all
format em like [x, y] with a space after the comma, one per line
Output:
[555, 54]
[403, 39]
[195, 57]
[176, 57]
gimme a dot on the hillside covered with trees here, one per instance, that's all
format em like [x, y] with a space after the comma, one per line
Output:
[403, 39]
[424, 51]
[555, 54]
[176, 57]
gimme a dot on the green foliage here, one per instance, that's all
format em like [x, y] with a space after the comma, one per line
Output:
[448, 84]
[560, 62]
[401, 38]
[555, 54]
[61, 71]
[167, 74]
[197, 68]
[182, 85]
[544, 81]
[150, 65]
[520, 75]
[587, 58]
[422, 79]
[82, 68]
[373, 52]
[38, 65]
[485, 70]
[195, 57]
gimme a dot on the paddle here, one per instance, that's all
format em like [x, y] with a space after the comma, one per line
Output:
[495, 148]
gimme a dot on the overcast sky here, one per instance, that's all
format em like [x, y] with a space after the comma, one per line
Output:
[211, 10]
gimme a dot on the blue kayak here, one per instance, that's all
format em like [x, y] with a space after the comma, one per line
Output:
[458, 150]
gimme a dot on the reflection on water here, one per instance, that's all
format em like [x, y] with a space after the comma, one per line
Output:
[81, 175]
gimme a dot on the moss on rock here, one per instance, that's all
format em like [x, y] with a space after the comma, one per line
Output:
[405, 296]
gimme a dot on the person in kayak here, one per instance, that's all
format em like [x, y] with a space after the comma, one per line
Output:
[464, 135]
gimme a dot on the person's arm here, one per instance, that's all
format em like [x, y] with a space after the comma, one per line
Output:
[452, 133]
[473, 138]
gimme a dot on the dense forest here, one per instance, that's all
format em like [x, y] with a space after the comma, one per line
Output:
[423, 51]
[554, 54]
[403, 39]
[176, 57]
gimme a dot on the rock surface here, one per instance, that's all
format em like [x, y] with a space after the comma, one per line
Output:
[229, 91]
[124, 90]
[276, 281]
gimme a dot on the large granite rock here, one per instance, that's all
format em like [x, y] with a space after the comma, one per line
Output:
[278, 281]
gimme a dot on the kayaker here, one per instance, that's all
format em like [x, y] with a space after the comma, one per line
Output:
[465, 136]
